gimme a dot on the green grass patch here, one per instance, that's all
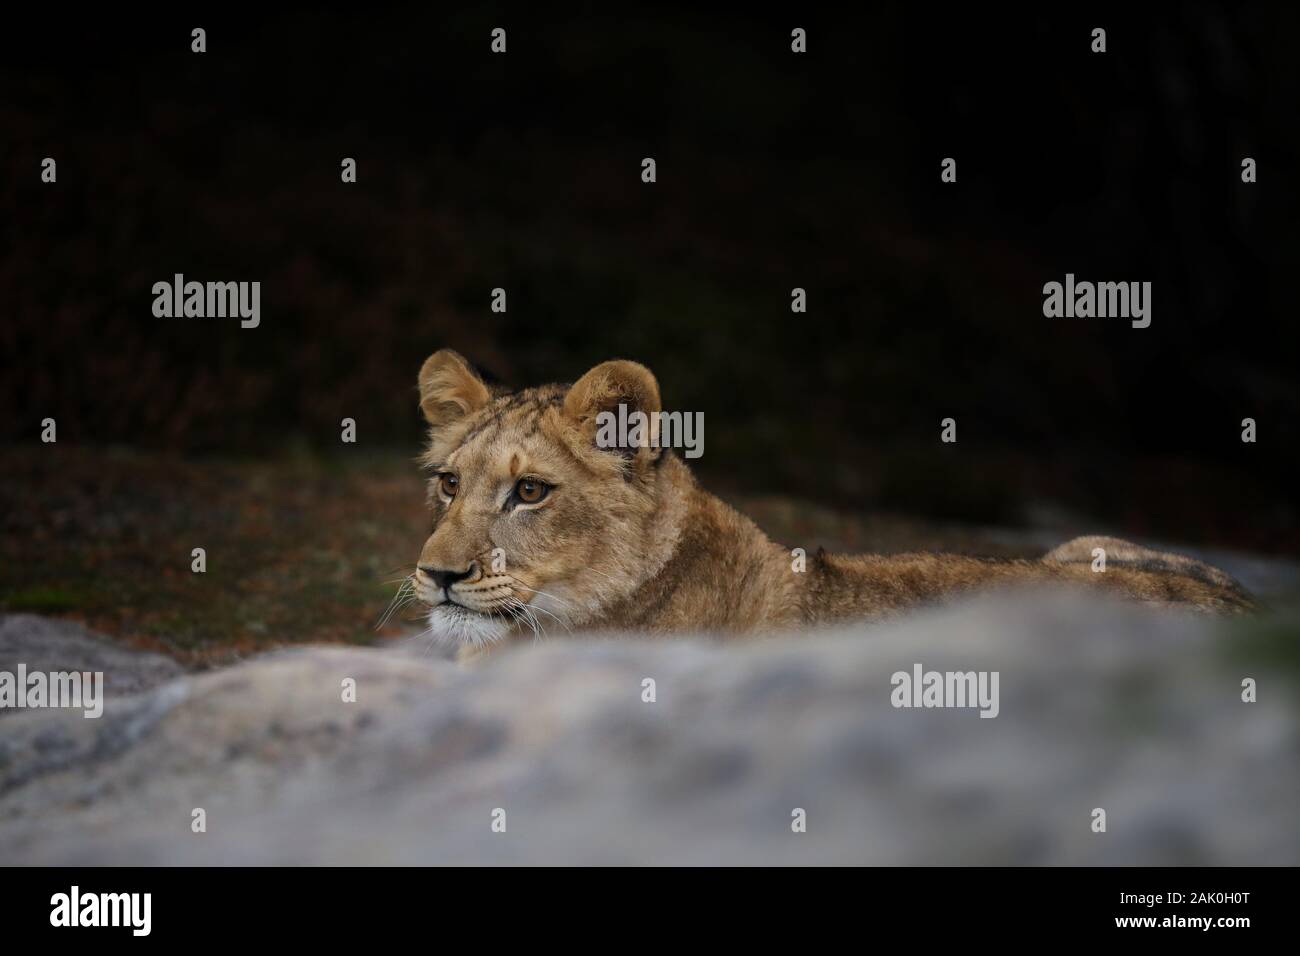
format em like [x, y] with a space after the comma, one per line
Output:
[45, 599]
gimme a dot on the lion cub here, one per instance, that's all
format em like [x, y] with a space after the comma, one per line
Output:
[539, 530]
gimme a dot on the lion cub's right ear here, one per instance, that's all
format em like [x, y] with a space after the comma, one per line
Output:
[449, 388]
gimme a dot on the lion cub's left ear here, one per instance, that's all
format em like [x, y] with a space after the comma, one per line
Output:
[609, 385]
[449, 388]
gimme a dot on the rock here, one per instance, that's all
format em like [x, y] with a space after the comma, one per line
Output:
[1136, 712]
[44, 644]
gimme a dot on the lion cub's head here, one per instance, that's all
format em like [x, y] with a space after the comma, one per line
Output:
[535, 528]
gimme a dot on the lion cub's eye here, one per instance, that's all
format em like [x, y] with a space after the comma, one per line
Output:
[530, 490]
[449, 484]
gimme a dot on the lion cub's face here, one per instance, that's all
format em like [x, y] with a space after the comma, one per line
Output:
[534, 528]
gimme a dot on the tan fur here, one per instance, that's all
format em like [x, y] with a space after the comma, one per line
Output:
[627, 540]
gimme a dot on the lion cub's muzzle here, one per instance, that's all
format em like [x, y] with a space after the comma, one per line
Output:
[435, 585]
[444, 579]
[468, 588]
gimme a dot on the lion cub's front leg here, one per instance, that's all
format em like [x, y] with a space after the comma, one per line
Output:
[469, 655]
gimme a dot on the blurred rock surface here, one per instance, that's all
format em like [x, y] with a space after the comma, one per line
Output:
[1135, 712]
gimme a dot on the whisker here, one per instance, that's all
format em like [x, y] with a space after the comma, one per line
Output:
[544, 594]
[532, 613]
[607, 577]
[404, 605]
[400, 599]
[528, 617]
[559, 621]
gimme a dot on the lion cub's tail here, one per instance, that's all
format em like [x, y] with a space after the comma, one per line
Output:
[1128, 554]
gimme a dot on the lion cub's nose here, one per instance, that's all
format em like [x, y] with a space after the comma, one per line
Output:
[445, 579]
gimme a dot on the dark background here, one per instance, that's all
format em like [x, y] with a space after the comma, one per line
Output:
[775, 170]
